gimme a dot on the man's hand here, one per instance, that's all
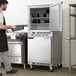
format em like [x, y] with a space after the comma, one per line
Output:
[7, 26]
[13, 27]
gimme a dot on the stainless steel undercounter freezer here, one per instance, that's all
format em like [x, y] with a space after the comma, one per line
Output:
[45, 51]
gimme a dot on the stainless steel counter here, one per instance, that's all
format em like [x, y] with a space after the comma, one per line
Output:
[16, 51]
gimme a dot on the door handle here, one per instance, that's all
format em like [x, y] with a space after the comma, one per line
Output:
[30, 37]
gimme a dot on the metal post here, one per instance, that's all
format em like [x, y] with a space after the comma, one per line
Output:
[24, 66]
[0, 64]
[70, 55]
[69, 39]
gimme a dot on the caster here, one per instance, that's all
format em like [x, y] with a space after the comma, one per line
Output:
[59, 65]
[51, 69]
[31, 68]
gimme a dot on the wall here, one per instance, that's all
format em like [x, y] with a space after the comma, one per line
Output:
[18, 15]
[16, 12]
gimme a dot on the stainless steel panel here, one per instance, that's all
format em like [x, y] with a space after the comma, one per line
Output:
[16, 42]
[55, 17]
[14, 49]
[39, 50]
[15, 60]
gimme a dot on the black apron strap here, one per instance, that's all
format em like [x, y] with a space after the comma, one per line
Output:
[4, 22]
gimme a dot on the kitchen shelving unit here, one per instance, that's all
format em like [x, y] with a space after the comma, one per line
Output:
[39, 17]
[71, 15]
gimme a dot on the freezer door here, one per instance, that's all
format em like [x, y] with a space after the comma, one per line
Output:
[39, 50]
[55, 17]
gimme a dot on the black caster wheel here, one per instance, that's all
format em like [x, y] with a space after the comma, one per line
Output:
[59, 65]
[51, 69]
[31, 67]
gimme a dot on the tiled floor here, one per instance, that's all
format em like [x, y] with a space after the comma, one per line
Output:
[40, 72]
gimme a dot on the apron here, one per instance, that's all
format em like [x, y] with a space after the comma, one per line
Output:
[3, 39]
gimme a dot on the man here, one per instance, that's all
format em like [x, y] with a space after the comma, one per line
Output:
[3, 39]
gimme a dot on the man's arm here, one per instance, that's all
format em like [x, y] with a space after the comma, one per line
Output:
[7, 26]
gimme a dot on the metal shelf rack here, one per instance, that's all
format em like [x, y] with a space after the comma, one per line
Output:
[70, 37]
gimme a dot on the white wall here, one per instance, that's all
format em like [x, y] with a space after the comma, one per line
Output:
[16, 12]
[18, 15]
